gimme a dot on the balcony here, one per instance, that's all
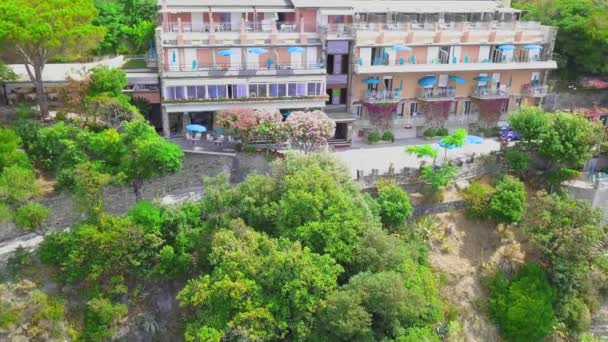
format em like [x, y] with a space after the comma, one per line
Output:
[535, 91]
[466, 63]
[247, 26]
[447, 26]
[383, 96]
[485, 93]
[437, 94]
[246, 69]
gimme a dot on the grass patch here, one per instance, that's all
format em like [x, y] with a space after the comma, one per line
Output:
[134, 64]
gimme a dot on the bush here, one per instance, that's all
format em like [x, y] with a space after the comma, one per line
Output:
[522, 306]
[430, 132]
[509, 202]
[517, 161]
[373, 137]
[388, 136]
[395, 205]
[575, 314]
[442, 132]
[148, 216]
[250, 149]
[31, 216]
[476, 198]
[100, 318]
[61, 116]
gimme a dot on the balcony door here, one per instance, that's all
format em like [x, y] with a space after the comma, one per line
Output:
[235, 21]
[236, 60]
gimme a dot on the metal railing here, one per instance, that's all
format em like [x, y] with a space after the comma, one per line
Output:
[445, 26]
[249, 26]
[225, 67]
[486, 92]
[535, 90]
[437, 93]
[519, 56]
[380, 96]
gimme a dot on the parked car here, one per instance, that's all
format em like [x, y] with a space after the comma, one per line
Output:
[508, 134]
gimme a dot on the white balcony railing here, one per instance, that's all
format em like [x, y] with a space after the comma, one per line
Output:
[485, 92]
[382, 96]
[437, 93]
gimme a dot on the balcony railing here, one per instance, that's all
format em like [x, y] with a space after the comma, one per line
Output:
[382, 96]
[535, 90]
[518, 57]
[249, 26]
[437, 94]
[245, 68]
[490, 93]
[445, 26]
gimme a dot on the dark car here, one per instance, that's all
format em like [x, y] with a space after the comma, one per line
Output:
[507, 134]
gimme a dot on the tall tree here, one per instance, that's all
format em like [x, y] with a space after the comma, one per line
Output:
[42, 29]
[6, 74]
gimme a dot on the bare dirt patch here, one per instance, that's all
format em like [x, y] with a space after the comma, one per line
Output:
[465, 254]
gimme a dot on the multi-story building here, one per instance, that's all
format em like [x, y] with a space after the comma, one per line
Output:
[445, 62]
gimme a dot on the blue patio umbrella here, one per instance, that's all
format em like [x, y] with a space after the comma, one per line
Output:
[506, 48]
[427, 81]
[399, 47]
[472, 139]
[533, 47]
[482, 78]
[173, 57]
[371, 80]
[196, 128]
[295, 49]
[257, 51]
[225, 53]
[458, 79]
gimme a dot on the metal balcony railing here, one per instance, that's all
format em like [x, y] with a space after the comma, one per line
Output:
[491, 93]
[535, 90]
[520, 56]
[437, 93]
[249, 26]
[446, 26]
[250, 67]
[382, 96]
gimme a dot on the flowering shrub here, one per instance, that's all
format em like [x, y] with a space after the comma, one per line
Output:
[242, 121]
[380, 114]
[490, 111]
[270, 126]
[308, 130]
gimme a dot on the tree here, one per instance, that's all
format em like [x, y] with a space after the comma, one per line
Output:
[395, 205]
[147, 155]
[523, 306]
[438, 177]
[456, 139]
[422, 151]
[271, 127]
[6, 73]
[531, 123]
[106, 80]
[476, 199]
[107, 111]
[508, 203]
[242, 121]
[44, 29]
[260, 288]
[309, 130]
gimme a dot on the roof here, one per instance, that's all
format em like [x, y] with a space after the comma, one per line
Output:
[60, 71]
[445, 6]
[173, 5]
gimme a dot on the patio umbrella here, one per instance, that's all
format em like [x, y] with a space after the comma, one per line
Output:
[295, 49]
[371, 80]
[472, 139]
[257, 51]
[506, 48]
[449, 147]
[399, 47]
[427, 81]
[225, 53]
[533, 47]
[196, 128]
[173, 57]
[458, 79]
[482, 78]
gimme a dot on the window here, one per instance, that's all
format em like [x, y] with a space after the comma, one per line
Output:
[191, 92]
[274, 90]
[174, 93]
[330, 64]
[200, 92]
[300, 89]
[236, 91]
[291, 89]
[414, 108]
[282, 89]
[217, 91]
[314, 89]
[466, 108]
[344, 64]
[258, 90]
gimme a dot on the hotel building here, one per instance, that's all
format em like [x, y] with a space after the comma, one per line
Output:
[449, 63]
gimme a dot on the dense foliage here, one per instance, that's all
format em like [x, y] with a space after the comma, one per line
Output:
[581, 40]
[395, 205]
[277, 257]
[508, 202]
[523, 304]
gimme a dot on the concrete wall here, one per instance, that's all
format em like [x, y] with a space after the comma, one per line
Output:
[119, 199]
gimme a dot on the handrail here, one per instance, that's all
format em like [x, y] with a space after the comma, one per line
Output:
[224, 67]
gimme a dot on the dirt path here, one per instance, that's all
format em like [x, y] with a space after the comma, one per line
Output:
[468, 248]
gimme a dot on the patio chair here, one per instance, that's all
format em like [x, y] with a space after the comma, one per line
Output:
[412, 59]
[188, 136]
[209, 138]
[220, 139]
[197, 138]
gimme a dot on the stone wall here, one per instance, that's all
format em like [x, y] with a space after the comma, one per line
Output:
[572, 99]
[119, 199]
[408, 177]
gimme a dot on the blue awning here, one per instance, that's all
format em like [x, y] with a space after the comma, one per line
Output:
[225, 52]
[295, 49]
[371, 80]
[506, 48]
[533, 47]
[427, 81]
[482, 78]
[399, 47]
[458, 79]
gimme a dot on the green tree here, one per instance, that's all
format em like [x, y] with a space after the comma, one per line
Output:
[422, 151]
[88, 186]
[18, 185]
[508, 203]
[477, 198]
[101, 319]
[6, 73]
[438, 177]
[260, 288]
[395, 205]
[523, 306]
[30, 216]
[43, 29]
[456, 139]
[147, 155]
[532, 123]
[106, 80]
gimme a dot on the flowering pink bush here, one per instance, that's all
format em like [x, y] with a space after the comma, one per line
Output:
[242, 121]
[308, 130]
[270, 126]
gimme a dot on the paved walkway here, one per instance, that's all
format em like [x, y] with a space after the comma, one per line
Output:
[381, 156]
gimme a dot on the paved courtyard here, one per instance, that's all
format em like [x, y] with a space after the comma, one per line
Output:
[381, 156]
